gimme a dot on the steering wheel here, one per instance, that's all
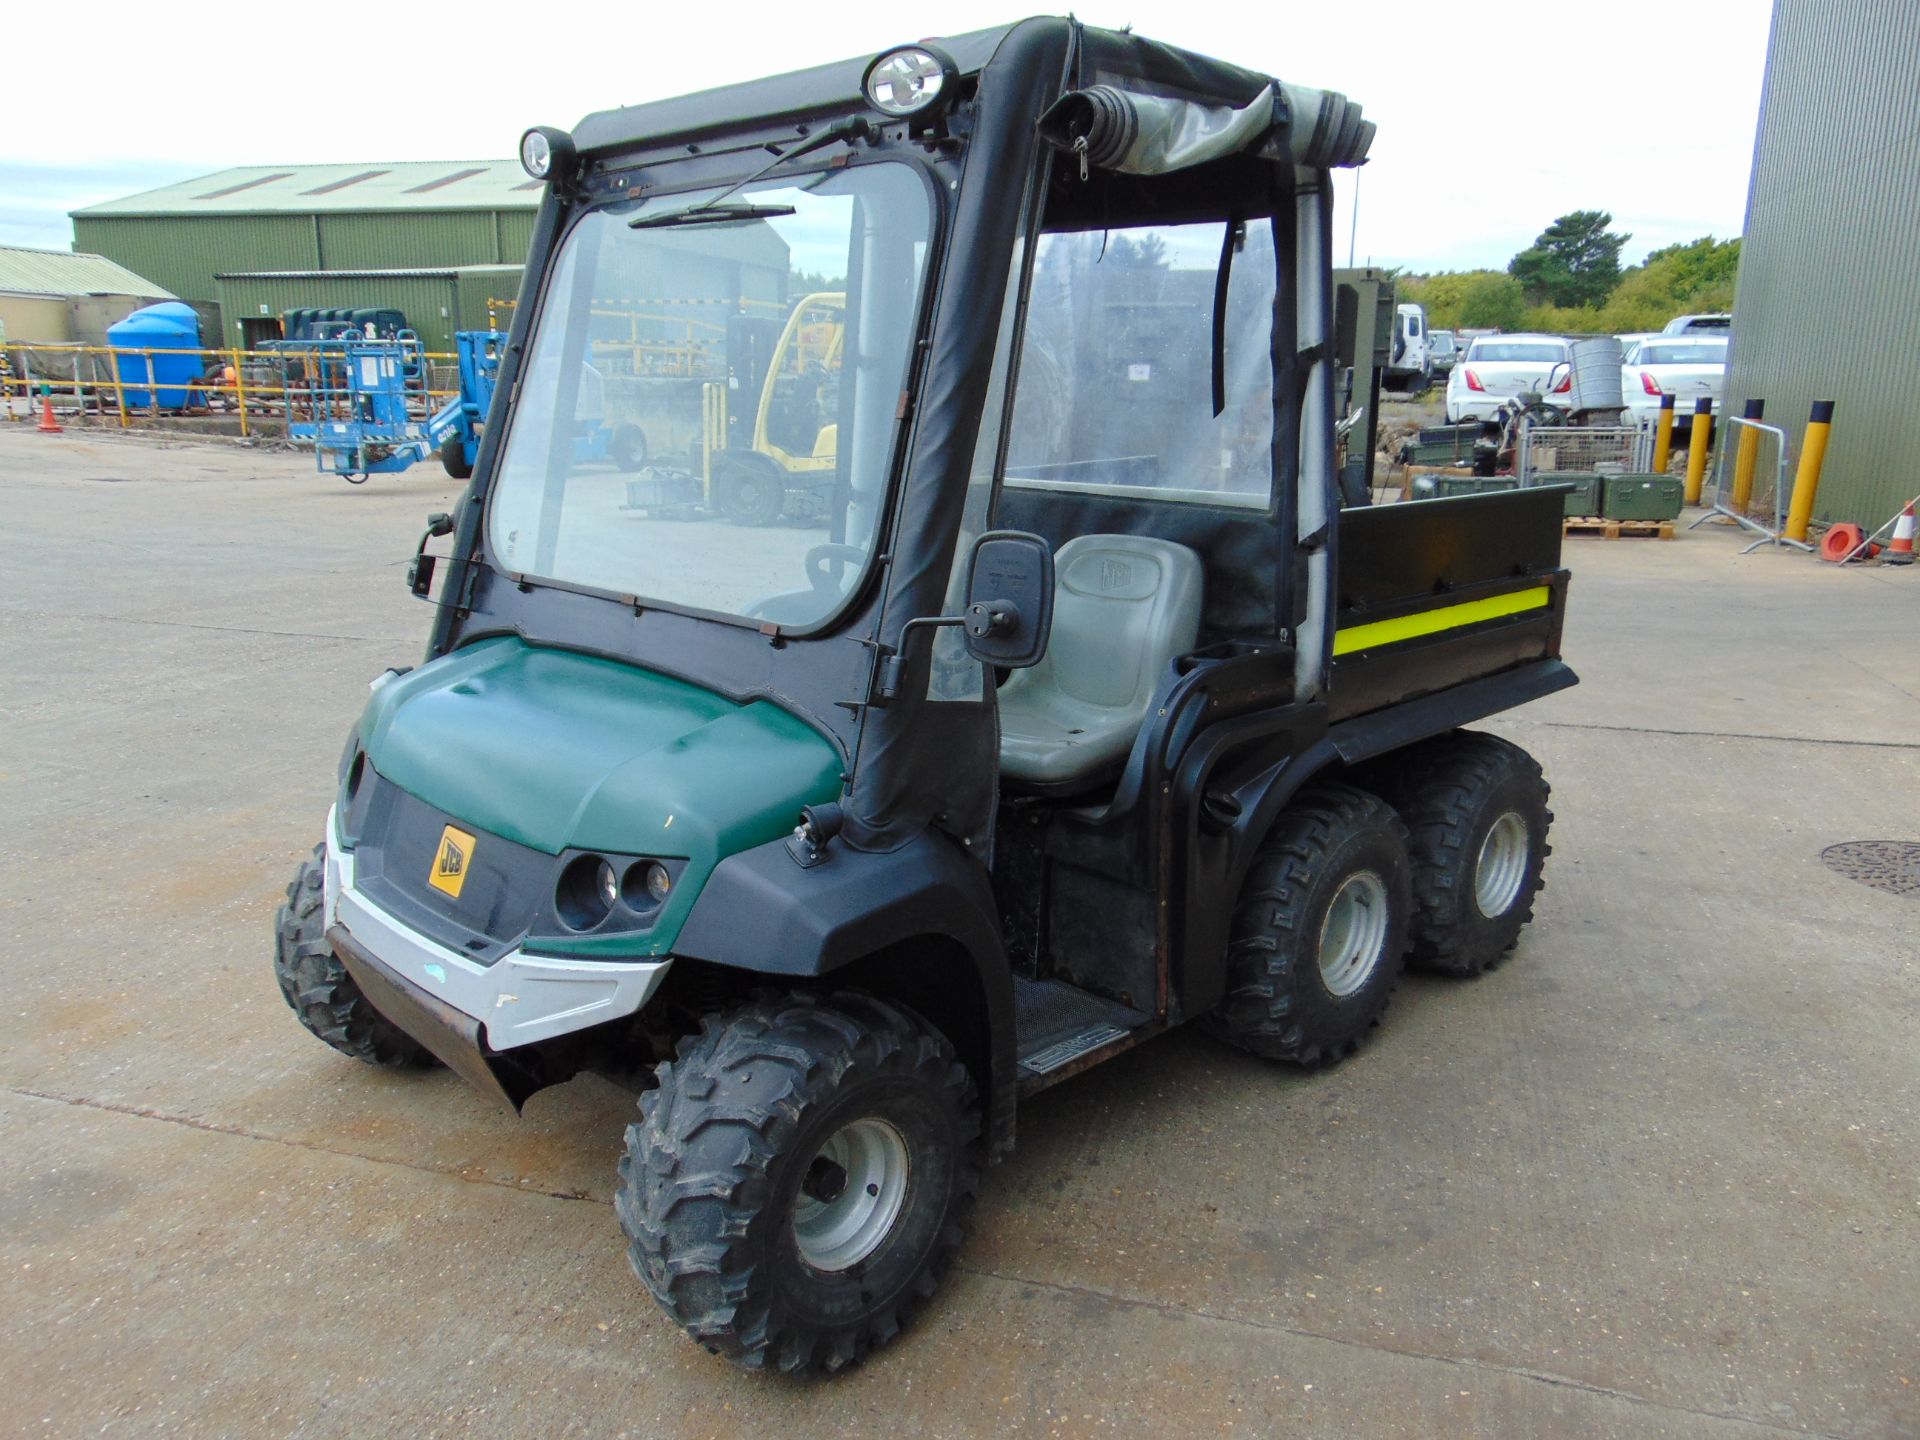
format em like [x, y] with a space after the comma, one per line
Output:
[821, 556]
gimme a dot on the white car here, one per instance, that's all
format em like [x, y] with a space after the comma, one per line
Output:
[1687, 367]
[1498, 367]
[1717, 324]
[1632, 339]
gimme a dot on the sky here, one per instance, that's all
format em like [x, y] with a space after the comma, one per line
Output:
[1494, 119]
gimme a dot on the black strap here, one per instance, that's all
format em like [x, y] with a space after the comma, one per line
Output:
[1229, 242]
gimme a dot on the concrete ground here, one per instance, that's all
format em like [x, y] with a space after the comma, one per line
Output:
[1659, 1175]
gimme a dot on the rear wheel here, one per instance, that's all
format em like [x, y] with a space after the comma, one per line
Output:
[453, 458]
[1319, 931]
[1477, 820]
[798, 1183]
[319, 989]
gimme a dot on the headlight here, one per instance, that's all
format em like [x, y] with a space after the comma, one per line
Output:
[543, 149]
[612, 893]
[648, 884]
[586, 893]
[909, 81]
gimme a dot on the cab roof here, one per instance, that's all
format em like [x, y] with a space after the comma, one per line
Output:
[835, 88]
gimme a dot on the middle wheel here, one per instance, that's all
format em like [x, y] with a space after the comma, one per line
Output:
[1320, 930]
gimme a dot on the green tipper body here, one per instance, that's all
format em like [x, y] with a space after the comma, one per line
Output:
[557, 751]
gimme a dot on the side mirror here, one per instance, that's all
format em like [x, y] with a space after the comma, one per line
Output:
[420, 572]
[1009, 615]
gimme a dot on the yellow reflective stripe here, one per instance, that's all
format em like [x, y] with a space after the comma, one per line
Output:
[1446, 617]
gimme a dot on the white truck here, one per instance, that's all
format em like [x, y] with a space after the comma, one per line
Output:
[1411, 366]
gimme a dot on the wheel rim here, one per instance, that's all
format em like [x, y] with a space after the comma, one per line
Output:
[1354, 933]
[1502, 866]
[851, 1195]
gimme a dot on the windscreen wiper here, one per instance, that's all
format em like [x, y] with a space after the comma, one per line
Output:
[851, 129]
[708, 215]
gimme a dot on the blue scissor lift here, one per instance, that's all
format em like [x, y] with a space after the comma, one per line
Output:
[356, 398]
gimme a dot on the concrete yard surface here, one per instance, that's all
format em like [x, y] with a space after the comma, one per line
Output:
[1658, 1175]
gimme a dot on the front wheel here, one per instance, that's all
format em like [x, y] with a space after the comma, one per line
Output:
[319, 989]
[1319, 931]
[751, 488]
[627, 448]
[798, 1183]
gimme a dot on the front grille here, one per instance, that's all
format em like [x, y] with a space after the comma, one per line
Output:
[501, 890]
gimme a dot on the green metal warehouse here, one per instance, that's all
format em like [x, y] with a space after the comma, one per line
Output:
[1824, 308]
[434, 239]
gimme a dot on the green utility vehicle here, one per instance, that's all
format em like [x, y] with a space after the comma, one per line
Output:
[1089, 714]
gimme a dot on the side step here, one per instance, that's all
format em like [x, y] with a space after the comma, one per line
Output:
[1060, 1023]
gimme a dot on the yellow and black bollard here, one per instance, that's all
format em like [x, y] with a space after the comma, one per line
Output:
[1663, 437]
[1698, 444]
[1745, 456]
[1806, 477]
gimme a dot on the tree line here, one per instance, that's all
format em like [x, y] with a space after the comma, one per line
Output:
[1570, 281]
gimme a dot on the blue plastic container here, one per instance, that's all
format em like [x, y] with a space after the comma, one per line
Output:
[166, 326]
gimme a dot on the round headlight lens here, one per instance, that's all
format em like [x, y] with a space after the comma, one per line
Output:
[536, 154]
[586, 892]
[907, 81]
[648, 884]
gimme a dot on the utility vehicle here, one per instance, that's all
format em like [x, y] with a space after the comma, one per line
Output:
[1088, 715]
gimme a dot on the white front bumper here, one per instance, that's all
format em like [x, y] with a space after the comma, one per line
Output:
[519, 999]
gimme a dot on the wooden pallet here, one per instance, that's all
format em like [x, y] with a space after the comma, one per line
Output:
[1614, 529]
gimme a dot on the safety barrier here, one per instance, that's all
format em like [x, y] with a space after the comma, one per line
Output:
[251, 384]
[1749, 480]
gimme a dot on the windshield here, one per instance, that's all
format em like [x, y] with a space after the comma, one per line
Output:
[1691, 352]
[707, 411]
[1516, 352]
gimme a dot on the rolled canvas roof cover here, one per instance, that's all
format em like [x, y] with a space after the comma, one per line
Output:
[1142, 134]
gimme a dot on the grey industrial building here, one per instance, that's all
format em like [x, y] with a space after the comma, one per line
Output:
[434, 239]
[1825, 304]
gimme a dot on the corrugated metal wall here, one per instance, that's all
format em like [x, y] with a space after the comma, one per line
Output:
[405, 241]
[1830, 261]
[184, 253]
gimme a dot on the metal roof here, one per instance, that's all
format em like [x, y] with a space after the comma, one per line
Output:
[60, 272]
[322, 189]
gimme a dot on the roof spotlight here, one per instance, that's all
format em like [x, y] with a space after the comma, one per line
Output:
[544, 149]
[909, 81]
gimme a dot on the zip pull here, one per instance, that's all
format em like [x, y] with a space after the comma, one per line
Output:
[1080, 149]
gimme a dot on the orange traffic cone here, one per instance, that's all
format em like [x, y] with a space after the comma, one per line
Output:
[1900, 552]
[49, 425]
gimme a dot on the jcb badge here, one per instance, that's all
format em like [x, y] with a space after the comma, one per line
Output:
[450, 862]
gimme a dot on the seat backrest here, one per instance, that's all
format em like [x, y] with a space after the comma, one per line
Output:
[1124, 606]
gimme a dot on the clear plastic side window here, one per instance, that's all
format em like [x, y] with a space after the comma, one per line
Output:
[1115, 391]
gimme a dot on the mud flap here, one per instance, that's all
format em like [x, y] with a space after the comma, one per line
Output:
[452, 1036]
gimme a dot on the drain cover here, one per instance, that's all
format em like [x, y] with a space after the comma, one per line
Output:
[1889, 865]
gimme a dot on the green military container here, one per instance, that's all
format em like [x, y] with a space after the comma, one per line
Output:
[1641, 497]
[1439, 487]
[1583, 498]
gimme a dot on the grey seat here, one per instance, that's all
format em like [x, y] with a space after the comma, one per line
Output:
[1124, 606]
